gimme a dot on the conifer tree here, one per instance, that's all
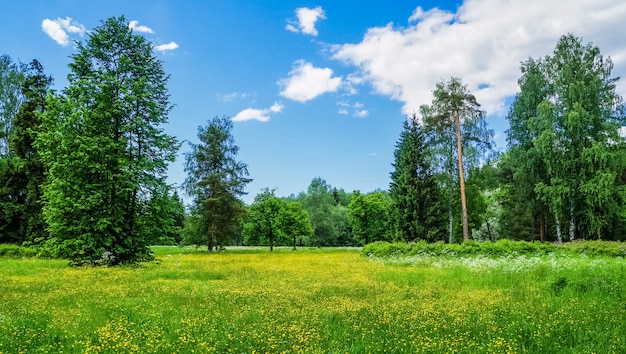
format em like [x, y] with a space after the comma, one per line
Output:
[216, 180]
[416, 209]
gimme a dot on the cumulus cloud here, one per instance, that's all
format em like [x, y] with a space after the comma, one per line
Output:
[139, 28]
[306, 20]
[483, 42]
[165, 47]
[306, 82]
[60, 29]
[262, 115]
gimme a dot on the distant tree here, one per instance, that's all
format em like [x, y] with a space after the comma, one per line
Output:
[11, 84]
[216, 180]
[105, 147]
[295, 222]
[264, 219]
[319, 203]
[275, 222]
[417, 208]
[369, 217]
[454, 110]
[342, 230]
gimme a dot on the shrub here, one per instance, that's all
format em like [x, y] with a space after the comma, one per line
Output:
[15, 251]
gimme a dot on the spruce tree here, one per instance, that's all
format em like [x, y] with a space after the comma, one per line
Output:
[27, 170]
[416, 210]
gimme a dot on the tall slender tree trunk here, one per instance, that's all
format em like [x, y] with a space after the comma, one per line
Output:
[450, 220]
[559, 237]
[542, 236]
[459, 149]
[572, 224]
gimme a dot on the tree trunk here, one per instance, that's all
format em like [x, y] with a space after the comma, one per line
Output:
[559, 238]
[459, 149]
[542, 235]
[450, 219]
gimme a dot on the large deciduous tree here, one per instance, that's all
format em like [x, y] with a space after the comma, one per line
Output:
[417, 202]
[575, 135]
[455, 111]
[105, 146]
[215, 179]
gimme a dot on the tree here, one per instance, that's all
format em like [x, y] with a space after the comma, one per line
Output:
[216, 180]
[577, 139]
[25, 174]
[524, 215]
[416, 200]
[454, 110]
[318, 202]
[295, 222]
[11, 82]
[264, 219]
[369, 217]
[105, 147]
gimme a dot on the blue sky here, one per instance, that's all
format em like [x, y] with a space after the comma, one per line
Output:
[319, 88]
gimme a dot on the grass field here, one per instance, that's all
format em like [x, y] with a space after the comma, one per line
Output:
[315, 301]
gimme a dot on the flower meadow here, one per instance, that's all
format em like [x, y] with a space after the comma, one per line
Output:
[248, 300]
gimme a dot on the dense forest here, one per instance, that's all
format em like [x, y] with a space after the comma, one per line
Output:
[82, 170]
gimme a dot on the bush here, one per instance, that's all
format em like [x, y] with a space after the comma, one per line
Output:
[15, 251]
[499, 248]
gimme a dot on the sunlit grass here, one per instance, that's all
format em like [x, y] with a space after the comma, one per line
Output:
[314, 301]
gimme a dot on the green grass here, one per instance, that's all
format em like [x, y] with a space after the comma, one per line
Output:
[248, 300]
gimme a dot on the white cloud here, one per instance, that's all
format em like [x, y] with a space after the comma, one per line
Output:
[342, 111]
[483, 42]
[58, 29]
[229, 97]
[361, 113]
[262, 115]
[141, 28]
[165, 47]
[306, 82]
[306, 20]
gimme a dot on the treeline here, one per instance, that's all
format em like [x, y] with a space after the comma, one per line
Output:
[563, 176]
[82, 170]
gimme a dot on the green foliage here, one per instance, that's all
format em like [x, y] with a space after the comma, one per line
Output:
[417, 211]
[11, 97]
[319, 202]
[369, 217]
[107, 154]
[567, 157]
[15, 251]
[274, 221]
[215, 179]
[501, 247]
[23, 171]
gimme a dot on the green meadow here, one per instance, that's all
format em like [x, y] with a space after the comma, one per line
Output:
[248, 300]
